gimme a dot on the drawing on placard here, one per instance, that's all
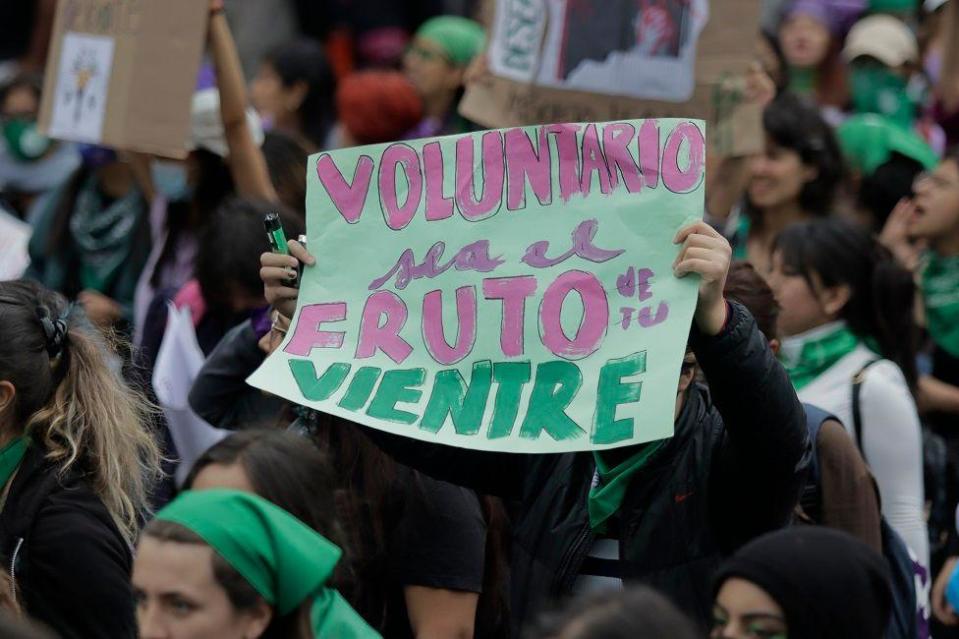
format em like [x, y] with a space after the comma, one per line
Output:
[80, 93]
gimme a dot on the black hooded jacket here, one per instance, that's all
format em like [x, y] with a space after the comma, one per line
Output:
[69, 563]
[732, 471]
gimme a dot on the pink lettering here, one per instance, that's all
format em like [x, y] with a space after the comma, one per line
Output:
[593, 162]
[685, 180]
[433, 334]
[307, 334]
[438, 206]
[513, 291]
[526, 164]
[348, 198]
[492, 170]
[396, 155]
[616, 141]
[383, 336]
[592, 327]
[567, 154]
[649, 152]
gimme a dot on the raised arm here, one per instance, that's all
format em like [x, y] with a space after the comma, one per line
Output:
[246, 160]
[765, 448]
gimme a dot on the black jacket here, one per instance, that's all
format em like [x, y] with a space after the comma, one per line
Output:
[733, 470]
[70, 564]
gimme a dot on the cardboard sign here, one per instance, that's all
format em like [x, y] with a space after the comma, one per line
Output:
[122, 72]
[510, 290]
[589, 60]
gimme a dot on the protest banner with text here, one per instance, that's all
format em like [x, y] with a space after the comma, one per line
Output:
[507, 290]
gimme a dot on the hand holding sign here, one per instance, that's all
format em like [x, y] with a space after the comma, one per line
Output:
[706, 253]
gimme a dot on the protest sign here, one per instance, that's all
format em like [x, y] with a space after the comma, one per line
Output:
[14, 239]
[177, 364]
[122, 72]
[506, 290]
[569, 60]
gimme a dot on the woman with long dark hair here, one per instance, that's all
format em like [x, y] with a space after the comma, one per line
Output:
[293, 92]
[794, 178]
[849, 347]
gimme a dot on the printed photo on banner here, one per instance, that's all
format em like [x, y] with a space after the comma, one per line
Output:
[508, 290]
[638, 48]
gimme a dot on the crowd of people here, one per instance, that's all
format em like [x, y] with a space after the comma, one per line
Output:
[809, 490]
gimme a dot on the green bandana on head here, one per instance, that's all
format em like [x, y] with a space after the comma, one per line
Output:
[876, 89]
[940, 296]
[868, 140]
[806, 357]
[284, 560]
[461, 38]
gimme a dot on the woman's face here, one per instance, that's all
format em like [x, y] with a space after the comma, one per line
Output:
[804, 40]
[777, 176]
[937, 202]
[429, 69]
[743, 610]
[801, 308]
[275, 102]
[178, 597]
[20, 102]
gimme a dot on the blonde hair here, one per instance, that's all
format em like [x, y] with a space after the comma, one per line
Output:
[75, 404]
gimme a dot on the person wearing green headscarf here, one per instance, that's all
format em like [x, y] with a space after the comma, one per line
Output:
[229, 564]
[436, 63]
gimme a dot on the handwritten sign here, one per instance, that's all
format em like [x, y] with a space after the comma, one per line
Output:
[122, 72]
[568, 60]
[508, 290]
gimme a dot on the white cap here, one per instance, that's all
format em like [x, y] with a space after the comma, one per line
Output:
[883, 37]
[207, 127]
[931, 5]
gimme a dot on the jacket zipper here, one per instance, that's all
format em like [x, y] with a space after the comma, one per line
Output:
[13, 568]
[574, 558]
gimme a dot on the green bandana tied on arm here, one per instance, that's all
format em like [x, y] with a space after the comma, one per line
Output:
[606, 498]
[461, 38]
[284, 560]
[940, 295]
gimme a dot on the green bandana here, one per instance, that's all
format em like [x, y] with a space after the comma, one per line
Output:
[285, 560]
[461, 38]
[802, 80]
[876, 89]
[606, 498]
[10, 457]
[940, 292]
[806, 358]
[868, 141]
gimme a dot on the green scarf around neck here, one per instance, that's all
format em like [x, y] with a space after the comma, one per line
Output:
[10, 457]
[284, 560]
[606, 498]
[940, 296]
[816, 354]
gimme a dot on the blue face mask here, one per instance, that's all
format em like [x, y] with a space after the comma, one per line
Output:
[170, 180]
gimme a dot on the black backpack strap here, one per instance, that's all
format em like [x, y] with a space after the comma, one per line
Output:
[857, 381]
